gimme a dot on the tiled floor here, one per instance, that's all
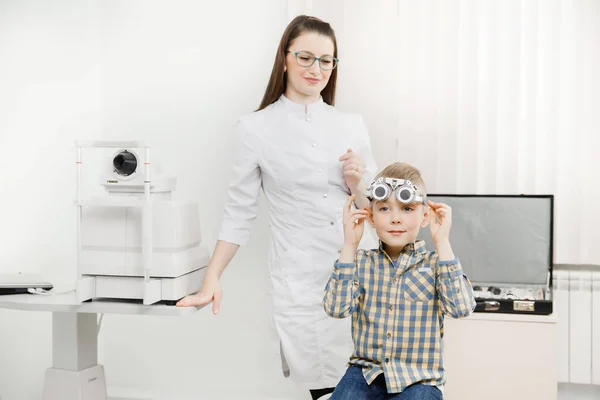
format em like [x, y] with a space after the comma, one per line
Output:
[567, 391]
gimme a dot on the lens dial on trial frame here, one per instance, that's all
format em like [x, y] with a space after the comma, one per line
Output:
[405, 193]
[125, 163]
[381, 191]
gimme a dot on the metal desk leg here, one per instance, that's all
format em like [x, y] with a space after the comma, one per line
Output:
[75, 373]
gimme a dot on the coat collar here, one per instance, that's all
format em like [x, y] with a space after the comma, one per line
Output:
[301, 108]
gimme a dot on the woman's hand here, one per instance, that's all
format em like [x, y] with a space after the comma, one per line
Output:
[354, 169]
[210, 292]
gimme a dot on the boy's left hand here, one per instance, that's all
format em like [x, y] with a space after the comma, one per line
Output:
[440, 221]
[354, 169]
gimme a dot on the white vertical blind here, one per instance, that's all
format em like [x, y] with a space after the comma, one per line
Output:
[484, 96]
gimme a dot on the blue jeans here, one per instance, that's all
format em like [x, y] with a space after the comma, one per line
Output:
[353, 386]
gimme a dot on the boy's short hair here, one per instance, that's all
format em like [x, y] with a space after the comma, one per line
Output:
[406, 171]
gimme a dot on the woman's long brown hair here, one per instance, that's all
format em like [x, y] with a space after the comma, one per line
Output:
[278, 81]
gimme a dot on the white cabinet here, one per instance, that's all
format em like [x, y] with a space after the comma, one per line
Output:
[500, 357]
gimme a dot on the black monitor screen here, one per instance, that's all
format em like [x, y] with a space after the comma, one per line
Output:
[500, 239]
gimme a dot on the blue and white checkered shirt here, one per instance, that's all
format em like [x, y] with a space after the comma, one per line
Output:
[398, 312]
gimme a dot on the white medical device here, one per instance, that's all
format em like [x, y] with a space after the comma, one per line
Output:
[136, 242]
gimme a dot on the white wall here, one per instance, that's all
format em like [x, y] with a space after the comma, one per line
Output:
[178, 74]
[485, 97]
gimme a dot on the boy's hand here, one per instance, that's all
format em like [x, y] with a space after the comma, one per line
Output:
[353, 223]
[354, 169]
[440, 221]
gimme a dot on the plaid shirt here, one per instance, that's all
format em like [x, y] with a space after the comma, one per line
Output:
[398, 312]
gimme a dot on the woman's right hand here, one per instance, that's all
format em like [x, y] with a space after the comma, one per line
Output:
[210, 292]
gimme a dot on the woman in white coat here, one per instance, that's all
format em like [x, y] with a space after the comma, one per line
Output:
[308, 157]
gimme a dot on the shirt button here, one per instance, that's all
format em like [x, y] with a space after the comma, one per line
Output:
[332, 223]
[389, 335]
[394, 280]
[457, 290]
[390, 308]
[314, 145]
[325, 196]
[387, 360]
[320, 169]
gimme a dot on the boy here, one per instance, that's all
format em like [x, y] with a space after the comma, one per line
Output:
[397, 294]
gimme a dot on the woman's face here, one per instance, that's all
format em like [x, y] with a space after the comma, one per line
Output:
[304, 84]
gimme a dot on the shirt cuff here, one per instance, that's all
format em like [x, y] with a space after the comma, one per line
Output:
[344, 271]
[450, 269]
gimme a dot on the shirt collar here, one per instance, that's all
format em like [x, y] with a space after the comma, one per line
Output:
[416, 247]
[301, 108]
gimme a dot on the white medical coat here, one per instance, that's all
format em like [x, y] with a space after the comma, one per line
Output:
[292, 151]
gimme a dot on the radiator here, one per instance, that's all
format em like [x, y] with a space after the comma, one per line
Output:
[577, 307]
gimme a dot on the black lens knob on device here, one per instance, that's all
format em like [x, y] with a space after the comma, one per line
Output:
[125, 163]
[495, 290]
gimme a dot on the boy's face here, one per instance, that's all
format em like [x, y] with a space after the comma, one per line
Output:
[398, 224]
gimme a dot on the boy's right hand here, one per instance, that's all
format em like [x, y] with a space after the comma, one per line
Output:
[210, 291]
[353, 223]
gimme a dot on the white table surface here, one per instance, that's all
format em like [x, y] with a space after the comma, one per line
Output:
[67, 302]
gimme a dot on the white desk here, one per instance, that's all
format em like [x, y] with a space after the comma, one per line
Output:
[501, 356]
[75, 373]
